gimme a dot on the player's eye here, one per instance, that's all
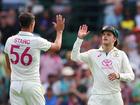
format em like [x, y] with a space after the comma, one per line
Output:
[108, 34]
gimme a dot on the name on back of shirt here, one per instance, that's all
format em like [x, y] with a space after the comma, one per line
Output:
[22, 41]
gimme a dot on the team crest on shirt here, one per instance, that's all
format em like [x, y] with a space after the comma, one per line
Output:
[115, 54]
[98, 55]
[107, 64]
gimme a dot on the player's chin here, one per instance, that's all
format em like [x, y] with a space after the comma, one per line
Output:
[105, 42]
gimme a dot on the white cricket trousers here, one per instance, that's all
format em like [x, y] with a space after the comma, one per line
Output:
[26, 93]
[109, 99]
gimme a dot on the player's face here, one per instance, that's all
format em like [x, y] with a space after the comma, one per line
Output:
[108, 38]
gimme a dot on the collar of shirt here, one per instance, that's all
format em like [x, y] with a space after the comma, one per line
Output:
[24, 33]
[114, 49]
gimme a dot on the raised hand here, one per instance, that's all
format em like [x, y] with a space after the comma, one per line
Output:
[83, 31]
[59, 25]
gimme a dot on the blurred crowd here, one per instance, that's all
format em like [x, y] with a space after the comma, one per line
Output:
[67, 82]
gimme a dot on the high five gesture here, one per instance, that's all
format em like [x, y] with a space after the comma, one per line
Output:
[59, 25]
[83, 31]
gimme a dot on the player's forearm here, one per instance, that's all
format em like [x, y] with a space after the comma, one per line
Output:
[7, 66]
[76, 50]
[58, 40]
[127, 76]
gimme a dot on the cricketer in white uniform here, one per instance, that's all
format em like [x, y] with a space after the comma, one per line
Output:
[108, 69]
[23, 51]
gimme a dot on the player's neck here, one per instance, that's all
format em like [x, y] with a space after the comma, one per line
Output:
[26, 29]
[107, 48]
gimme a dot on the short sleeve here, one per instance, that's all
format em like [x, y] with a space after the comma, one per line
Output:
[43, 44]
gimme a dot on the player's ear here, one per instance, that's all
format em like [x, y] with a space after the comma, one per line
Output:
[32, 25]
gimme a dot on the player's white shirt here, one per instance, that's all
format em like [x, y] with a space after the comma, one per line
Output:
[23, 50]
[101, 65]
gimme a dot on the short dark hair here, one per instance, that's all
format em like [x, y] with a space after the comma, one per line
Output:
[25, 19]
[116, 43]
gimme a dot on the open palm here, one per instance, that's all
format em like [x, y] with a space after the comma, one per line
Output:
[60, 23]
[83, 31]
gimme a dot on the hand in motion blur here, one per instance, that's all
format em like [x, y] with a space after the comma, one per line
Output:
[59, 25]
[83, 31]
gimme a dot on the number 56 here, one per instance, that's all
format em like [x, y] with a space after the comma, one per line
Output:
[23, 55]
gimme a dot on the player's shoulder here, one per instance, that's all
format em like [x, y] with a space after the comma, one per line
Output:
[11, 38]
[120, 52]
[123, 52]
[37, 37]
[38, 40]
[92, 50]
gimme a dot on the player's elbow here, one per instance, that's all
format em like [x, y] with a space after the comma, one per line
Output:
[127, 76]
[55, 47]
[132, 77]
[73, 57]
